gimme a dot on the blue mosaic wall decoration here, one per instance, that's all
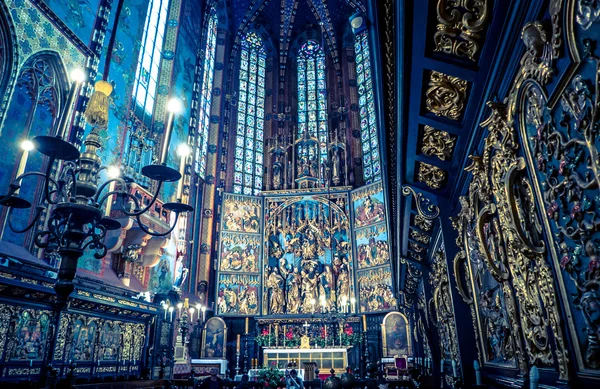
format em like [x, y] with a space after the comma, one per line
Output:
[78, 15]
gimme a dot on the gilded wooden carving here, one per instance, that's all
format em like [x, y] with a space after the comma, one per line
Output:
[437, 143]
[445, 95]
[460, 26]
[430, 175]
[442, 315]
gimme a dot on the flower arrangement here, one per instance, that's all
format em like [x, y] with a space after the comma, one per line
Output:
[271, 377]
[349, 338]
[265, 339]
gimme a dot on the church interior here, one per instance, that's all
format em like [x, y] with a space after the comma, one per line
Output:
[341, 193]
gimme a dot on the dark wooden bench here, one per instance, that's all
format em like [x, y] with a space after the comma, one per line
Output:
[158, 384]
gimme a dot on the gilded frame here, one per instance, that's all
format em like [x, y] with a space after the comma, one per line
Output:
[222, 327]
[390, 320]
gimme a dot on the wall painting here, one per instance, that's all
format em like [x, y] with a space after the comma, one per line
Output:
[395, 332]
[375, 290]
[238, 294]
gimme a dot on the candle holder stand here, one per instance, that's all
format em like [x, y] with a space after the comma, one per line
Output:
[246, 363]
[237, 364]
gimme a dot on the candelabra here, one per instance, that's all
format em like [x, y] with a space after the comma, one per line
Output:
[185, 317]
[77, 220]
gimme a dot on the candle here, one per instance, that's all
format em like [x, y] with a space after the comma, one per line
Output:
[247, 320]
[166, 306]
[173, 106]
[22, 162]
[171, 309]
[78, 78]
[352, 302]
[237, 347]
[179, 306]
[203, 313]
[191, 314]
[109, 200]
[364, 320]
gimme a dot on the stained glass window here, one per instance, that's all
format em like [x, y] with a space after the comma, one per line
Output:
[312, 98]
[208, 72]
[248, 164]
[366, 104]
[146, 76]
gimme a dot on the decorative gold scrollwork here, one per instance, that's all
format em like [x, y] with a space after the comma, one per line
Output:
[437, 143]
[459, 260]
[421, 202]
[459, 26]
[446, 95]
[430, 175]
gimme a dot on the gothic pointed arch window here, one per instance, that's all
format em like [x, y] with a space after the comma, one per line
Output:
[208, 72]
[366, 104]
[37, 100]
[149, 58]
[248, 175]
[312, 100]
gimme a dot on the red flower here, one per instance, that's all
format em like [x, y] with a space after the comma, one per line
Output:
[348, 330]
[289, 335]
[323, 332]
[265, 332]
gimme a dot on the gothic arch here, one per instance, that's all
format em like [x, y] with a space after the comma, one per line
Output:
[35, 106]
[9, 60]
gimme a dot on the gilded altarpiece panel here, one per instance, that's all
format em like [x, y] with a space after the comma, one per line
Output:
[374, 275]
[84, 338]
[24, 333]
[532, 208]
[240, 259]
[308, 254]
[561, 149]
[441, 308]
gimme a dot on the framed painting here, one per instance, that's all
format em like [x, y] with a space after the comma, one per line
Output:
[214, 339]
[395, 332]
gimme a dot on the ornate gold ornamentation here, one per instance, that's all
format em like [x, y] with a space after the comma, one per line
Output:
[430, 175]
[443, 315]
[416, 248]
[426, 210]
[502, 212]
[459, 26]
[419, 237]
[446, 95]
[437, 143]
[422, 223]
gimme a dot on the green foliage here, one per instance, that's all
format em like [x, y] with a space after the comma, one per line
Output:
[270, 377]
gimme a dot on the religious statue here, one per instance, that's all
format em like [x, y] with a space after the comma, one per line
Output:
[326, 288]
[335, 168]
[538, 62]
[275, 284]
[309, 292]
[293, 286]
[277, 175]
[343, 284]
